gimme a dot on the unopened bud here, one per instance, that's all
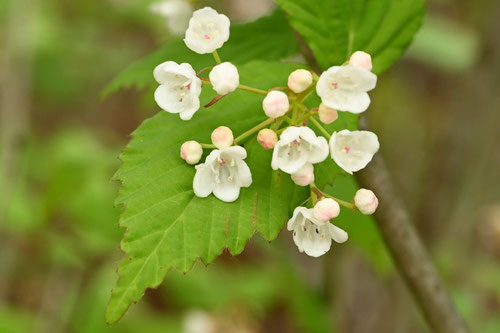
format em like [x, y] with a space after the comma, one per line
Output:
[366, 201]
[326, 209]
[305, 175]
[222, 137]
[361, 59]
[275, 104]
[224, 78]
[191, 152]
[299, 80]
[327, 115]
[267, 138]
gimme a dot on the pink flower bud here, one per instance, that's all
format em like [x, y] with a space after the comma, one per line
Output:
[326, 114]
[304, 176]
[222, 137]
[299, 80]
[275, 104]
[267, 138]
[366, 201]
[361, 59]
[326, 209]
[191, 152]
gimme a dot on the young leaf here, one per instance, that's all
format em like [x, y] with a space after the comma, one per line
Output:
[268, 38]
[167, 225]
[334, 29]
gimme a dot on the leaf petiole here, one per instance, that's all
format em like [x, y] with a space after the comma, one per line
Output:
[254, 129]
[216, 57]
[340, 202]
[253, 90]
[320, 127]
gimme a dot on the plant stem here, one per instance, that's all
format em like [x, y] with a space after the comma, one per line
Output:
[216, 57]
[341, 202]
[254, 90]
[408, 252]
[207, 146]
[254, 129]
[321, 128]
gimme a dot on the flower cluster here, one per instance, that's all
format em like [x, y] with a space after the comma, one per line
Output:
[296, 147]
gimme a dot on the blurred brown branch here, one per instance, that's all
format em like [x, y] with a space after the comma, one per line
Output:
[408, 252]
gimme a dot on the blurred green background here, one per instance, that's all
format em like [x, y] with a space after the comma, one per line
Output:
[436, 113]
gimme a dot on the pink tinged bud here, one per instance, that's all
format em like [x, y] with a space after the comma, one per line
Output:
[191, 152]
[267, 138]
[299, 80]
[305, 175]
[275, 104]
[361, 59]
[326, 209]
[366, 201]
[327, 115]
[222, 137]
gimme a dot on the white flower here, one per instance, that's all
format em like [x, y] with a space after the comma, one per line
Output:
[179, 90]
[223, 173]
[326, 209]
[366, 201]
[352, 151]
[299, 80]
[224, 78]
[361, 59]
[207, 31]
[296, 147]
[327, 115]
[177, 13]
[222, 137]
[344, 88]
[191, 152]
[305, 175]
[275, 104]
[311, 235]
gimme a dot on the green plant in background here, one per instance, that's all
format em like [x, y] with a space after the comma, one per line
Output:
[167, 225]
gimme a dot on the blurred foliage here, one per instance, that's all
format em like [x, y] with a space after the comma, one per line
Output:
[445, 44]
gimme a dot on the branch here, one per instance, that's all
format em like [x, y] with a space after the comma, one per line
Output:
[408, 252]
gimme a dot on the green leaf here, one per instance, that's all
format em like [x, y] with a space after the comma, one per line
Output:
[334, 29]
[268, 38]
[167, 225]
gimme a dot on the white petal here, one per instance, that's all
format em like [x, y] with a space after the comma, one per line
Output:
[276, 153]
[166, 100]
[308, 134]
[235, 151]
[319, 153]
[337, 234]
[244, 177]
[203, 182]
[189, 109]
[354, 102]
[227, 191]
[289, 135]
[289, 165]
[212, 157]
[292, 223]
[362, 77]
[315, 245]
